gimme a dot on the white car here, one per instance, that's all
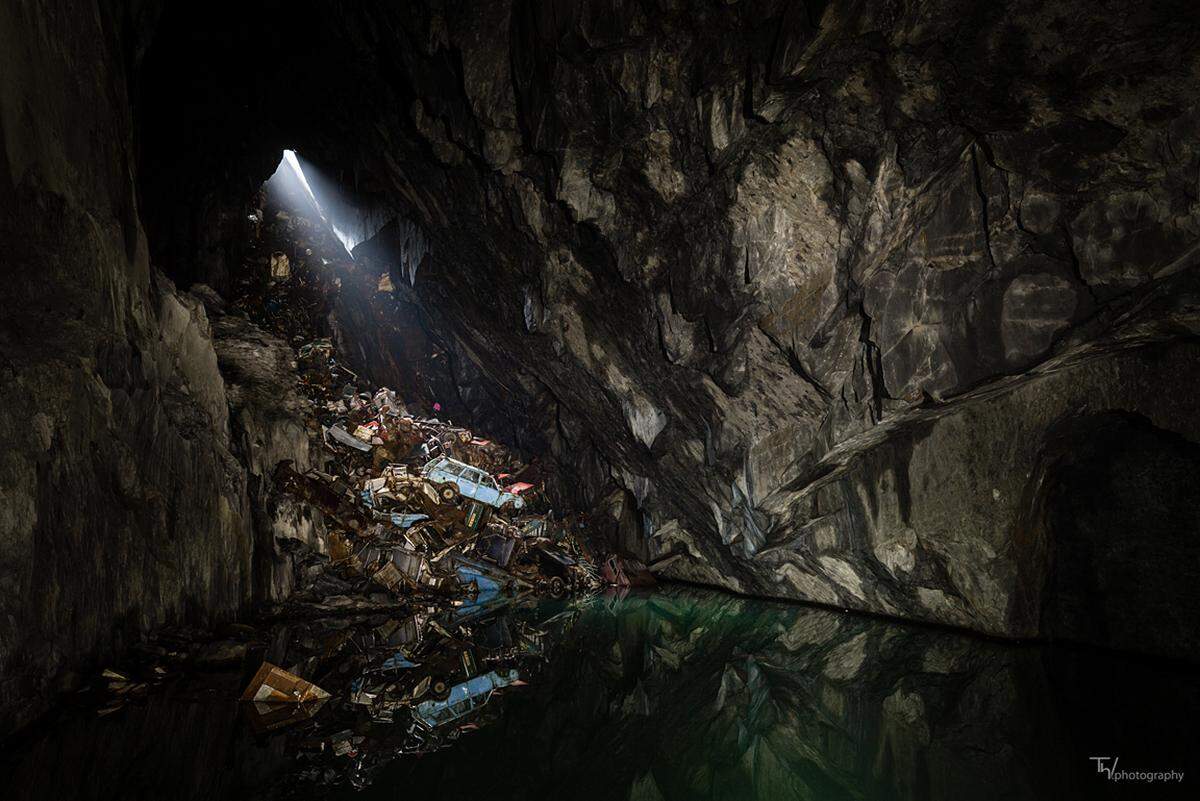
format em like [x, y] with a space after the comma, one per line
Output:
[472, 483]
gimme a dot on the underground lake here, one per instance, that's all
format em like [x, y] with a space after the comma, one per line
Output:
[675, 693]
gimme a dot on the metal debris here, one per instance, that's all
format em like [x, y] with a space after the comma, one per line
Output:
[272, 684]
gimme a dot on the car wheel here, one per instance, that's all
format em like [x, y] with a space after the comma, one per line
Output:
[440, 691]
[448, 493]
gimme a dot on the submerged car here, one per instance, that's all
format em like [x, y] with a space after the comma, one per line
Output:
[464, 698]
[471, 483]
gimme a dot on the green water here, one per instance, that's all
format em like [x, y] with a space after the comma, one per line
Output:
[683, 694]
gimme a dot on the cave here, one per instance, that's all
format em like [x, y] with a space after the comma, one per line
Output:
[867, 332]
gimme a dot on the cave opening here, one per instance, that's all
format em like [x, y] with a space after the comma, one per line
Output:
[290, 181]
[616, 399]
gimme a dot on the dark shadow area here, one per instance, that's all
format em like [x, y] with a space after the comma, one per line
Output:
[1122, 510]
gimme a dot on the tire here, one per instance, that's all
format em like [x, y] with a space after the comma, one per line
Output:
[448, 493]
[439, 690]
[558, 587]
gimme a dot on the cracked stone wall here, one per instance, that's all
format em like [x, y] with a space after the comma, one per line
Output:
[795, 290]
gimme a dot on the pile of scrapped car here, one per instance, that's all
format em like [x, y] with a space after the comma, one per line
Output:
[443, 582]
[426, 548]
[400, 633]
[422, 508]
[410, 509]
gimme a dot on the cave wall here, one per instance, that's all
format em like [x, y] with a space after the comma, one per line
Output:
[755, 275]
[967, 515]
[813, 283]
[1114, 487]
[129, 497]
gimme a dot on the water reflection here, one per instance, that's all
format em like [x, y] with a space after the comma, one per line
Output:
[676, 694]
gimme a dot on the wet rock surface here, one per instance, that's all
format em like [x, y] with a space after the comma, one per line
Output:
[123, 505]
[268, 420]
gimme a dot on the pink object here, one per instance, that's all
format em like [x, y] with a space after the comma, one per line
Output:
[519, 487]
[437, 407]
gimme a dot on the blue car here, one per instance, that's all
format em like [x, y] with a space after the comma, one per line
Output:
[462, 699]
[471, 483]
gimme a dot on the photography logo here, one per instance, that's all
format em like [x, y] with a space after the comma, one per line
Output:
[1110, 768]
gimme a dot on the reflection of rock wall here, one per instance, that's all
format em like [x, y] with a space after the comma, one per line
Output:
[165, 748]
[683, 694]
[813, 704]
[701, 696]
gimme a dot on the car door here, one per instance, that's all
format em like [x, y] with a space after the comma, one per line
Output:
[459, 474]
[470, 483]
[440, 471]
[488, 491]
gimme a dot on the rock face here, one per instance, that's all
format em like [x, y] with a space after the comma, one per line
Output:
[267, 422]
[803, 292]
[129, 495]
[979, 512]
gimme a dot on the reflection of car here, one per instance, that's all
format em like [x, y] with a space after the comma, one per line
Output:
[471, 482]
[463, 698]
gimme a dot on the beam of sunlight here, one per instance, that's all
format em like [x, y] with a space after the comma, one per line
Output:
[289, 157]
